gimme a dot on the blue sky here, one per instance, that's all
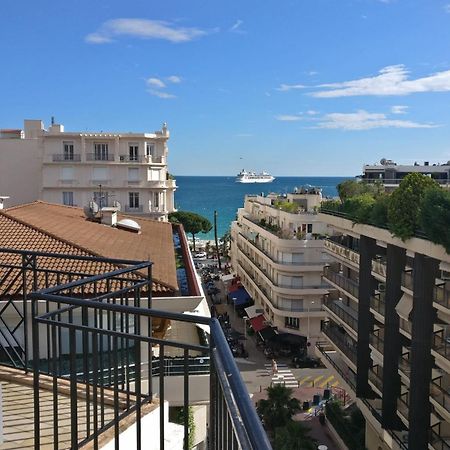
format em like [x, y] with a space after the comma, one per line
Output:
[306, 87]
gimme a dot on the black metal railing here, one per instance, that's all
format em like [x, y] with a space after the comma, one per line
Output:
[376, 339]
[350, 286]
[99, 157]
[439, 394]
[376, 376]
[77, 323]
[441, 343]
[63, 157]
[377, 303]
[341, 340]
[439, 442]
[346, 313]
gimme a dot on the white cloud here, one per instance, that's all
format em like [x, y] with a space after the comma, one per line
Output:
[392, 80]
[447, 8]
[160, 94]
[290, 87]
[364, 120]
[174, 79]
[398, 109]
[156, 82]
[312, 112]
[289, 117]
[236, 27]
[144, 29]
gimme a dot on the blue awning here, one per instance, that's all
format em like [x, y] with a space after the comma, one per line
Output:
[240, 296]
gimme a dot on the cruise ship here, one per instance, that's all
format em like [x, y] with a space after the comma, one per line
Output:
[252, 177]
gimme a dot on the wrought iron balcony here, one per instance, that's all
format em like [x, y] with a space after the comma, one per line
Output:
[69, 158]
[99, 157]
[96, 351]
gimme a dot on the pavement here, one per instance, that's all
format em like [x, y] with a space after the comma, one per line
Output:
[256, 372]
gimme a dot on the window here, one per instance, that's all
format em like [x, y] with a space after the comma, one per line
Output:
[292, 322]
[68, 151]
[100, 174]
[309, 228]
[133, 199]
[68, 198]
[154, 174]
[156, 200]
[133, 152]
[133, 174]
[149, 149]
[101, 198]
[101, 152]
[67, 174]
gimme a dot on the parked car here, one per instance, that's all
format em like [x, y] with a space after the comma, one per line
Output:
[200, 255]
[305, 361]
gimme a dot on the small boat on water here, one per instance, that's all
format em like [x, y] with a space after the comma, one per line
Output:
[251, 177]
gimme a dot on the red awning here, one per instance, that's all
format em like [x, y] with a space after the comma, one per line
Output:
[233, 287]
[258, 323]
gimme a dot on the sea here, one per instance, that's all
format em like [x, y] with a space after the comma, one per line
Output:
[204, 195]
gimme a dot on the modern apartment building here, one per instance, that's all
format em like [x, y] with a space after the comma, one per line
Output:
[388, 333]
[128, 170]
[278, 252]
[390, 174]
[101, 337]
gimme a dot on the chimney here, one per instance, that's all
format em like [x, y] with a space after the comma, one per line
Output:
[109, 216]
[2, 200]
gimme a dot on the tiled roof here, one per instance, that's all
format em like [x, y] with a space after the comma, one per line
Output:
[54, 228]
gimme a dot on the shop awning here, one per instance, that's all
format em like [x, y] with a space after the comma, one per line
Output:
[226, 278]
[290, 339]
[253, 311]
[239, 296]
[233, 287]
[404, 307]
[267, 333]
[258, 323]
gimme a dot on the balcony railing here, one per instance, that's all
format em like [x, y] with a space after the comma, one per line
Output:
[132, 159]
[347, 314]
[99, 157]
[404, 363]
[61, 157]
[92, 341]
[342, 281]
[134, 209]
[439, 442]
[342, 251]
[408, 279]
[377, 303]
[442, 294]
[441, 344]
[406, 325]
[376, 376]
[379, 266]
[376, 339]
[344, 344]
[439, 394]
[403, 405]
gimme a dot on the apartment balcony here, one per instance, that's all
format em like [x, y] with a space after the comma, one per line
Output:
[95, 157]
[376, 339]
[440, 395]
[404, 364]
[63, 158]
[103, 182]
[403, 406]
[379, 267]
[347, 314]
[68, 183]
[340, 340]
[442, 295]
[148, 184]
[406, 326]
[408, 279]
[439, 440]
[337, 279]
[342, 252]
[92, 369]
[132, 159]
[134, 209]
[377, 304]
[376, 377]
[441, 344]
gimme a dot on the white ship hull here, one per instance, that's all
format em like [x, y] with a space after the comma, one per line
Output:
[252, 177]
[255, 180]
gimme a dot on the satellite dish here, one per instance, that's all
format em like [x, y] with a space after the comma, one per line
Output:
[129, 224]
[91, 210]
[117, 205]
[295, 190]
[383, 161]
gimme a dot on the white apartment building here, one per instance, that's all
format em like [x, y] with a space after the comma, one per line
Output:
[128, 170]
[279, 258]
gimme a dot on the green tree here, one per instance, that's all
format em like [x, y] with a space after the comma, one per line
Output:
[352, 188]
[405, 203]
[279, 407]
[435, 216]
[359, 207]
[193, 223]
[294, 436]
[225, 242]
[379, 213]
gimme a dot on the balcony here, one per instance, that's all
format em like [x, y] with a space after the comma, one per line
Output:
[376, 377]
[132, 159]
[404, 364]
[376, 340]
[441, 344]
[378, 304]
[61, 157]
[403, 405]
[93, 342]
[379, 267]
[406, 326]
[99, 157]
[134, 209]
[344, 312]
[437, 441]
[408, 279]
[342, 341]
[348, 285]
[342, 251]
[442, 295]
[439, 392]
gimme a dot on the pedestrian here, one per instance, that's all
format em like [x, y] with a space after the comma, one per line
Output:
[274, 367]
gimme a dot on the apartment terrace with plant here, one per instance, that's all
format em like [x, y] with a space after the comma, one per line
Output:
[277, 250]
[388, 333]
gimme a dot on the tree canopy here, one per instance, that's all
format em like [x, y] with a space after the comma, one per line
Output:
[193, 223]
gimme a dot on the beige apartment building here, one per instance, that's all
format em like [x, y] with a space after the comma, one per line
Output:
[278, 252]
[388, 333]
[127, 170]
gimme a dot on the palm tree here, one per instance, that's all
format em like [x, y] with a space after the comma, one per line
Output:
[277, 410]
[294, 436]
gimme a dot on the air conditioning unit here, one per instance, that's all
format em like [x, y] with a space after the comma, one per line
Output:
[122, 158]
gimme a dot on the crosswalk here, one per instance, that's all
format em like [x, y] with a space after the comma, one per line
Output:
[285, 376]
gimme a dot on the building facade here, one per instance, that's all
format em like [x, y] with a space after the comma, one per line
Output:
[128, 170]
[279, 258]
[390, 174]
[387, 337]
